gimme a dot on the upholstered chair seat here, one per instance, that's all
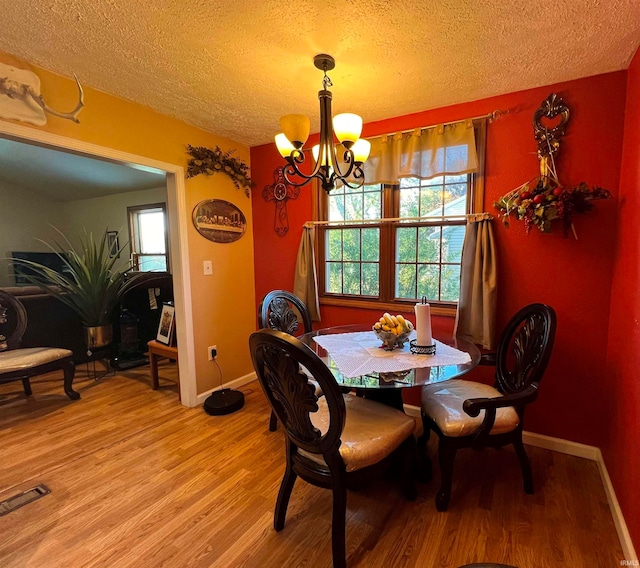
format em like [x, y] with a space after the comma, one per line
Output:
[20, 364]
[28, 358]
[443, 403]
[371, 431]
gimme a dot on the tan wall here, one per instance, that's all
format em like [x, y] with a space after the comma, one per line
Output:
[108, 213]
[25, 217]
[223, 304]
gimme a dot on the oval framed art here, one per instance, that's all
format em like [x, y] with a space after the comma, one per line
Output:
[219, 221]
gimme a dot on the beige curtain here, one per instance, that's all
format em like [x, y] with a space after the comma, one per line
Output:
[306, 281]
[440, 150]
[476, 317]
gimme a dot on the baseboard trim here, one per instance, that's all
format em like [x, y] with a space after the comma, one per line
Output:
[591, 453]
[560, 445]
[582, 451]
[618, 518]
[236, 383]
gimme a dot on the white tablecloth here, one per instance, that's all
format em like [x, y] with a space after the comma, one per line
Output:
[359, 353]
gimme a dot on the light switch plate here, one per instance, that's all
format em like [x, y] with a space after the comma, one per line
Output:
[208, 268]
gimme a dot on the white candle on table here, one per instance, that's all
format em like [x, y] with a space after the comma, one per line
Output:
[423, 325]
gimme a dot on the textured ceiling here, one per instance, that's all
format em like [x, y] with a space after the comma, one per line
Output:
[233, 68]
[62, 176]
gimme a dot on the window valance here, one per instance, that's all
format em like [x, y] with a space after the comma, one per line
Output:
[423, 153]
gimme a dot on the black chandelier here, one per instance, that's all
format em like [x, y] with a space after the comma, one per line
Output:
[347, 128]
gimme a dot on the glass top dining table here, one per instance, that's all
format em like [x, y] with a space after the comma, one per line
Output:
[417, 376]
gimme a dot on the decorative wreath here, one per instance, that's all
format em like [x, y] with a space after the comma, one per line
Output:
[209, 162]
[542, 200]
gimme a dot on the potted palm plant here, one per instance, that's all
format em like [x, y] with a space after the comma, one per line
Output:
[89, 282]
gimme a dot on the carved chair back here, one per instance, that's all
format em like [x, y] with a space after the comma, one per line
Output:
[524, 348]
[276, 312]
[277, 357]
[13, 321]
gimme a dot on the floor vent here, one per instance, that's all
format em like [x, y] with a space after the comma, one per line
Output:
[23, 498]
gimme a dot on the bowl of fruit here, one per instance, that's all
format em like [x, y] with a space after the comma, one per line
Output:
[393, 331]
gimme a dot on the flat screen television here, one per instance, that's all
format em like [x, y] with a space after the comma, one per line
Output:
[48, 259]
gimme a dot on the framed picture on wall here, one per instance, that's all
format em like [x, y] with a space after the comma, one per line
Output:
[113, 244]
[166, 325]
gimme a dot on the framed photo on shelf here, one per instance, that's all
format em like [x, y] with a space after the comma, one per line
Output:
[113, 244]
[166, 325]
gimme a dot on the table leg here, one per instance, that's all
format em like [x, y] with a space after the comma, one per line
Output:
[153, 364]
[390, 397]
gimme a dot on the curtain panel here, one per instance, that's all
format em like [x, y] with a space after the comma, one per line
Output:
[476, 316]
[306, 280]
[424, 153]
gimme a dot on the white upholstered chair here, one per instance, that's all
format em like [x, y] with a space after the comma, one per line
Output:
[329, 438]
[467, 414]
[22, 364]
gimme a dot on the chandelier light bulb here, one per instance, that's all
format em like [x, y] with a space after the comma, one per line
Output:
[361, 150]
[347, 127]
[325, 157]
[296, 128]
[284, 146]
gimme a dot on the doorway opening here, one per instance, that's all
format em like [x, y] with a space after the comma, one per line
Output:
[176, 249]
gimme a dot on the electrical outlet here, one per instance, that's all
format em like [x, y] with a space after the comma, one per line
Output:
[212, 352]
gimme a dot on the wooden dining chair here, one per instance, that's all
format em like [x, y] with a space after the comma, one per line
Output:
[328, 438]
[279, 310]
[22, 364]
[467, 414]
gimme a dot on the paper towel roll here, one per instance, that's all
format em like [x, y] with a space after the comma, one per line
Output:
[423, 325]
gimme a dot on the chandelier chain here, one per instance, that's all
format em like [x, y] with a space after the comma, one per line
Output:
[326, 82]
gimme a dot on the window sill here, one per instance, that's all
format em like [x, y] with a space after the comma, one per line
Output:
[396, 307]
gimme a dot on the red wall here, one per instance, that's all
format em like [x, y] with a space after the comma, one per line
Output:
[621, 447]
[572, 276]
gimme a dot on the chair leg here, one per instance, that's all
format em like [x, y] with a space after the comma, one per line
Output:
[27, 386]
[525, 466]
[69, 370]
[423, 460]
[286, 487]
[446, 457]
[409, 468]
[339, 522]
[273, 422]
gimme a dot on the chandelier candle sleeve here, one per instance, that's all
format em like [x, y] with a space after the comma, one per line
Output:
[423, 324]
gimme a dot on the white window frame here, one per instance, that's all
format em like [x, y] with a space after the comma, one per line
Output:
[134, 240]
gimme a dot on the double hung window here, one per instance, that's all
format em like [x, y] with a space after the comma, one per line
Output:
[394, 243]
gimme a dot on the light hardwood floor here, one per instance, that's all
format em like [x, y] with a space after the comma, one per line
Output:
[139, 481]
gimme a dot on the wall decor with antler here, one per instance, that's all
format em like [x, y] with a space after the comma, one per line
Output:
[20, 97]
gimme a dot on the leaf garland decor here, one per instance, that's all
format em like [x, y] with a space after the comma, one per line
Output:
[206, 161]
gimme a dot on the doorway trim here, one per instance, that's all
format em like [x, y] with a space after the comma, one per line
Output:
[177, 213]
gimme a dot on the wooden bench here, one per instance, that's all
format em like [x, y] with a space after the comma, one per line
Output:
[158, 350]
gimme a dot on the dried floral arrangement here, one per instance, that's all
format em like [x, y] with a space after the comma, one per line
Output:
[208, 162]
[543, 200]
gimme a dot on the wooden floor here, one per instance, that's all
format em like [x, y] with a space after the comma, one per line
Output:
[138, 480]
